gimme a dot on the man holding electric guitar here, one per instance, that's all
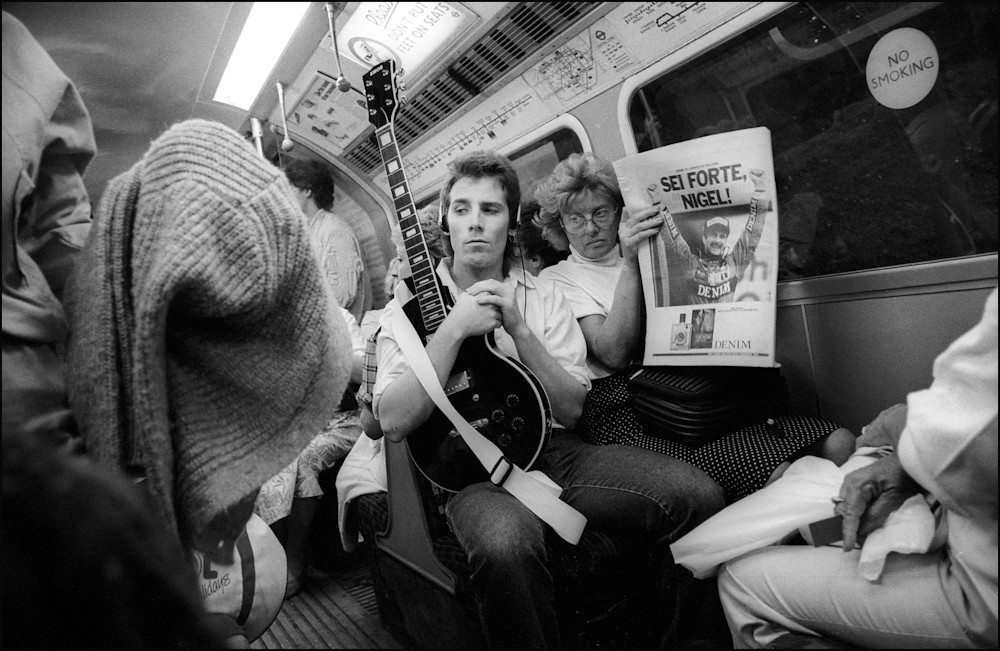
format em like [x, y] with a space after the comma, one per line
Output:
[492, 317]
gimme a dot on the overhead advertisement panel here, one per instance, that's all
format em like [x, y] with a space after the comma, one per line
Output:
[410, 32]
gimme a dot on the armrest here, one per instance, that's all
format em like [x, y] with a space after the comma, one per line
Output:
[407, 537]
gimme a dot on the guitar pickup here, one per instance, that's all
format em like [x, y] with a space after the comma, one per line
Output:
[457, 382]
[476, 425]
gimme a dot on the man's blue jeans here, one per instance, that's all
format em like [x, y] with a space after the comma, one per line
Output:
[618, 488]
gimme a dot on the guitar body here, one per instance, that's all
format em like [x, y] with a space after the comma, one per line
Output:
[497, 394]
[500, 398]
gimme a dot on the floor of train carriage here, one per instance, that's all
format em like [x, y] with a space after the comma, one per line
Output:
[335, 610]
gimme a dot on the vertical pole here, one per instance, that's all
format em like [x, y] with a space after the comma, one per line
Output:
[258, 135]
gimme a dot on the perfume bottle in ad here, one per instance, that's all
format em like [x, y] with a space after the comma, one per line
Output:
[680, 335]
[702, 328]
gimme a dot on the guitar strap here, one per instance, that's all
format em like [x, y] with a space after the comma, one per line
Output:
[534, 489]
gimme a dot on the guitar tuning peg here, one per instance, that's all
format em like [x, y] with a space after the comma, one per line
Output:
[400, 72]
[402, 100]
[402, 86]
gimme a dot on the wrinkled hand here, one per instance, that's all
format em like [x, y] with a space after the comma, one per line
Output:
[757, 178]
[499, 296]
[885, 429]
[634, 230]
[869, 495]
[470, 316]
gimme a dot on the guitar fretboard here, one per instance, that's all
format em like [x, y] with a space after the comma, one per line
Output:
[428, 291]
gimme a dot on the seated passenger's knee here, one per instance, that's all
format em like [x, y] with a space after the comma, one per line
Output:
[839, 445]
[504, 547]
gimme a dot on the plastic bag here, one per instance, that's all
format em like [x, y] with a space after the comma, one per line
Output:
[251, 588]
[797, 498]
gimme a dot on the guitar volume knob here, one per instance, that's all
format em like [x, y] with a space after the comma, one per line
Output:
[513, 400]
[517, 423]
[497, 415]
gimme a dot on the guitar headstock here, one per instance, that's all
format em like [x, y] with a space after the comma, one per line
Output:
[381, 93]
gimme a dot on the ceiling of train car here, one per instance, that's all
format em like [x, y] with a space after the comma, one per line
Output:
[141, 67]
[138, 66]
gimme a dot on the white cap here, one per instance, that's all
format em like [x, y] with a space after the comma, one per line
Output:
[717, 222]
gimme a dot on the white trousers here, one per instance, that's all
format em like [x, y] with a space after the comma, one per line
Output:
[818, 592]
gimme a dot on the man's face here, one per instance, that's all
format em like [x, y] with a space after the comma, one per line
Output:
[715, 241]
[392, 276]
[302, 196]
[477, 223]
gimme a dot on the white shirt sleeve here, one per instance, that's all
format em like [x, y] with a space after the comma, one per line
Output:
[949, 444]
[354, 330]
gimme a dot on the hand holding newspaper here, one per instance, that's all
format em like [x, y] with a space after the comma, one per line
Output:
[710, 276]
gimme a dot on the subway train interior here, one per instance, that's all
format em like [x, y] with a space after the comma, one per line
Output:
[887, 203]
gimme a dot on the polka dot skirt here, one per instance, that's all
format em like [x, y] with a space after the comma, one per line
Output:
[740, 462]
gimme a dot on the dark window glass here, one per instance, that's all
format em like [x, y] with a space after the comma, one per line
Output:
[860, 186]
[535, 162]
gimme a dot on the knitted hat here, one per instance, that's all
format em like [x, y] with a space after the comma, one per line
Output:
[203, 347]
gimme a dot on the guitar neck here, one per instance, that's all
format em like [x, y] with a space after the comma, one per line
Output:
[430, 296]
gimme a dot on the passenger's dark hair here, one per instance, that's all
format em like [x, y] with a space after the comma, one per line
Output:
[529, 236]
[312, 175]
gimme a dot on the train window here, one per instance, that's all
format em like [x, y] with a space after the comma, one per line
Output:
[535, 162]
[860, 186]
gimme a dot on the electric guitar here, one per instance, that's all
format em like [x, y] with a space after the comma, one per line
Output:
[499, 396]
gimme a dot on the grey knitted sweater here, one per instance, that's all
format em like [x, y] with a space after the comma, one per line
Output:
[203, 346]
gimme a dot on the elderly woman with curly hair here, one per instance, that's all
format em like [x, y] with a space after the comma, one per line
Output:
[581, 208]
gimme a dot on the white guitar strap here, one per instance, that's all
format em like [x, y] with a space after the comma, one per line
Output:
[534, 489]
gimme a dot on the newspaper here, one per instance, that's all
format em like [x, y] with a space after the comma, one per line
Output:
[710, 276]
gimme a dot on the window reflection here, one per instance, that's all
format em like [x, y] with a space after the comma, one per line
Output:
[860, 186]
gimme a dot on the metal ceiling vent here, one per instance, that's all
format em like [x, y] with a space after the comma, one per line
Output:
[515, 38]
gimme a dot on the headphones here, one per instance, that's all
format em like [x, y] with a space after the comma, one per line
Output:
[442, 216]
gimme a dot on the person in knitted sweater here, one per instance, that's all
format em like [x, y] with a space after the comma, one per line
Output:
[205, 352]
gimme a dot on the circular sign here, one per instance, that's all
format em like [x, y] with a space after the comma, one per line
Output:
[902, 68]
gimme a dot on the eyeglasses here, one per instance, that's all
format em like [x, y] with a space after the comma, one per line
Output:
[577, 223]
